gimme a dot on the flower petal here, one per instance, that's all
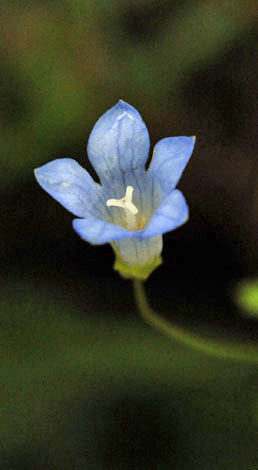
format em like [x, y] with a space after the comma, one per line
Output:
[172, 213]
[97, 231]
[139, 252]
[170, 156]
[119, 142]
[71, 185]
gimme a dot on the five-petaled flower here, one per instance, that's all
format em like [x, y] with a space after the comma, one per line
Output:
[131, 207]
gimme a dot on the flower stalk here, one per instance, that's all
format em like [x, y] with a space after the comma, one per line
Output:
[236, 351]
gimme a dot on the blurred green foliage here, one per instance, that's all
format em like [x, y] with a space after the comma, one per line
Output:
[247, 297]
[64, 64]
[113, 394]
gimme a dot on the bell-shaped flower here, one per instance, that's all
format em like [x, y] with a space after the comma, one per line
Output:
[131, 207]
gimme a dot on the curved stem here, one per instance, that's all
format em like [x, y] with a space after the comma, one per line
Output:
[238, 351]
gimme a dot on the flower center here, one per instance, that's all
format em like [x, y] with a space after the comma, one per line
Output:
[126, 204]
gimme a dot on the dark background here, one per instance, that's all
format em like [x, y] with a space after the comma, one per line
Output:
[85, 384]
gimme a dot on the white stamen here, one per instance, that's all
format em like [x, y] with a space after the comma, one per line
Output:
[125, 202]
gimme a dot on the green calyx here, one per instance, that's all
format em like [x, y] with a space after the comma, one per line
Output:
[135, 271]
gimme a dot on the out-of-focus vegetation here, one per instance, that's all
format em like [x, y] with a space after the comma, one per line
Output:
[247, 297]
[105, 393]
[84, 384]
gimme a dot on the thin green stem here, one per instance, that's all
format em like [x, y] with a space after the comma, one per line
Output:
[237, 351]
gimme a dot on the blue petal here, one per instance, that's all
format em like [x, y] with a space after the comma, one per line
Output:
[170, 156]
[98, 231]
[139, 252]
[71, 185]
[146, 195]
[119, 142]
[172, 213]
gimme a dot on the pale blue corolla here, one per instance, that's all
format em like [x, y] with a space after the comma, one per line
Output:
[132, 206]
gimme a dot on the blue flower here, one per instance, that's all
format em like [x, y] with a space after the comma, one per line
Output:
[131, 207]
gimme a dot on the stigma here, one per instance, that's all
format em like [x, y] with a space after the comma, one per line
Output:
[125, 202]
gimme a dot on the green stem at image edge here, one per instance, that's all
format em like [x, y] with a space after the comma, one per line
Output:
[237, 351]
